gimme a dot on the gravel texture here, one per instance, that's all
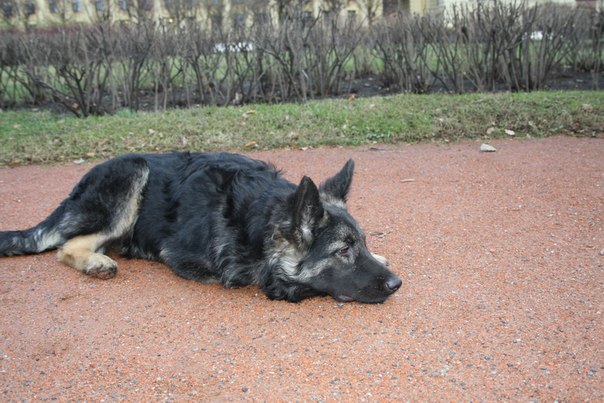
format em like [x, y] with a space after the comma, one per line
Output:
[502, 297]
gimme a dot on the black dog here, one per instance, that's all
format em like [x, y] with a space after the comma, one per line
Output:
[215, 217]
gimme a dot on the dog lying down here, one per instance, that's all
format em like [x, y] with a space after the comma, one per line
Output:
[215, 217]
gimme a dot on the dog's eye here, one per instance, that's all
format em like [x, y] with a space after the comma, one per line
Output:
[344, 251]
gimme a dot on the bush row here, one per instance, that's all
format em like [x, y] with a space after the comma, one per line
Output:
[107, 66]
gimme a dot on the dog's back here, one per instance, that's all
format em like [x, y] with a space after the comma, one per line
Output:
[215, 205]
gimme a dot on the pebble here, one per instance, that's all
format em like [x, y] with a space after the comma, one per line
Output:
[487, 148]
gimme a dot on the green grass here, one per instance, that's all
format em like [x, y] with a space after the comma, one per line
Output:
[42, 137]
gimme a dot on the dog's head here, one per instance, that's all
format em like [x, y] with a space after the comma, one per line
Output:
[321, 250]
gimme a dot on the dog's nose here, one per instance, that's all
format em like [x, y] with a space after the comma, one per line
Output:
[393, 284]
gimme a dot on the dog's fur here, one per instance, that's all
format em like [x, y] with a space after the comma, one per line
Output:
[215, 217]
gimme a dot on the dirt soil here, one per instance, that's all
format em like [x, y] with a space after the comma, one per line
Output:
[501, 256]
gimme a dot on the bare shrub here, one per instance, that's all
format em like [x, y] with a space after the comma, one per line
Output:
[25, 65]
[165, 66]
[285, 44]
[132, 54]
[9, 70]
[146, 64]
[540, 48]
[329, 48]
[404, 52]
[446, 38]
[77, 63]
[201, 59]
[585, 43]
[487, 32]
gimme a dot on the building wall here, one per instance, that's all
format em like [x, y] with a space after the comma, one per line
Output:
[230, 13]
[50, 13]
[436, 5]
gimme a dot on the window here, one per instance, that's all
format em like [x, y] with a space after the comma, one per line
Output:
[8, 9]
[76, 6]
[306, 16]
[30, 8]
[238, 22]
[261, 18]
[146, 5]
[351, 15]
[53, 6]
[216, 22]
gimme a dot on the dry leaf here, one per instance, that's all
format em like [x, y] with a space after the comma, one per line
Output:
[247, 114]
[251, 144]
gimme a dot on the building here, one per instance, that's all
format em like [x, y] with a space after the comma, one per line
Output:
[233, 13]
[230, 13]
[423, 7]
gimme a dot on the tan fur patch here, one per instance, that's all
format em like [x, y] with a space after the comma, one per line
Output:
[80, 253]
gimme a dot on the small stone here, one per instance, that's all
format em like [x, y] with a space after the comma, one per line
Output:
[602, 252]
[487, 148]
[510, 132]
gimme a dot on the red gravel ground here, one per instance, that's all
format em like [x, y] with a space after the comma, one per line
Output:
[500, 255]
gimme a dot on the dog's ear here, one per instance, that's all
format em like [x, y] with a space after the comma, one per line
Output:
[335, 189]
[306, 209]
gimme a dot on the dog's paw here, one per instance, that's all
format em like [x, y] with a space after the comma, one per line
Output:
[101, 266]
[381, 259]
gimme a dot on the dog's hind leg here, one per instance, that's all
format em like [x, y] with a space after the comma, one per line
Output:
[81, 253]
[118, 193]
[102, 208]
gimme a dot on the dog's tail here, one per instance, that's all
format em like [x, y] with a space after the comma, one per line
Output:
[44, 236]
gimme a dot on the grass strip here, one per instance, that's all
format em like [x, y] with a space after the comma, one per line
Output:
[41, 137]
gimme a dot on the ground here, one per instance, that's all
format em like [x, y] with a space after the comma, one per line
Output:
[502, 296]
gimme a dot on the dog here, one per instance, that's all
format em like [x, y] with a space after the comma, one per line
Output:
[215, 217]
